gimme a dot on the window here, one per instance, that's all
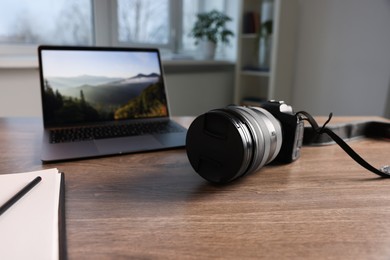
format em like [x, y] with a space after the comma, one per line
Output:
[46, 21]
[165, 24]
[143, 21]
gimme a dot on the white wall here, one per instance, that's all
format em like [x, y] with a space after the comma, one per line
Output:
[197, 93]
[343, 57]
[19, 92]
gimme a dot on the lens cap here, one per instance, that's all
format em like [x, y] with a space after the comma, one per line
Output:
[218, 146]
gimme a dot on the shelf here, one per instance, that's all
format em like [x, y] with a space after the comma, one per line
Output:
[275, 83]
[255, 73]
[252, 83]
[249, 36]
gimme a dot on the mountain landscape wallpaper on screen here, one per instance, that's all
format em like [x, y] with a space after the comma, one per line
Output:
[98, 98]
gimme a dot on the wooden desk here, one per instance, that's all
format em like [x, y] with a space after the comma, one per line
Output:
[153, 205]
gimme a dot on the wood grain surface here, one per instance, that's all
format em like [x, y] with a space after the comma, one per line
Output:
[154, 206]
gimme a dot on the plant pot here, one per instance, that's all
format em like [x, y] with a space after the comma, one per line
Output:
[207, 49]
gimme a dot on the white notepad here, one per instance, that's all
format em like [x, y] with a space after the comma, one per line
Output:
[29, 229]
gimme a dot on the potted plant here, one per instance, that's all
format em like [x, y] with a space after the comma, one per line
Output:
[210, 29]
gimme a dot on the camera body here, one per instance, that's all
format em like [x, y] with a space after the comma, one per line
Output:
[225, 144]
[292, 130]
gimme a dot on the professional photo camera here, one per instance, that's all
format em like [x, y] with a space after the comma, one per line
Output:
[225, 144]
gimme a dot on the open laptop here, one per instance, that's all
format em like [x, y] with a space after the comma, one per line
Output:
[99, 101]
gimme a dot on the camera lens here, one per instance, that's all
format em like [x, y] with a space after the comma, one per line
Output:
[227, 143]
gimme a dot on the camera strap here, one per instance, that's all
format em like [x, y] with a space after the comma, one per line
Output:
[372, 129]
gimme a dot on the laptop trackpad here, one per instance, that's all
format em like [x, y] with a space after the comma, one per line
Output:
[127, 144]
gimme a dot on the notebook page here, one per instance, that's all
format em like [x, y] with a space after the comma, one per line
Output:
[29, 228]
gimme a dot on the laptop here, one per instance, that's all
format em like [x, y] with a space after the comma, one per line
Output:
[99, 101]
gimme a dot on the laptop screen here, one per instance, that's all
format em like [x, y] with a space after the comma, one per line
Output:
[90, 84]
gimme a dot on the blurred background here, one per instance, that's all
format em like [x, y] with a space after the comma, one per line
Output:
[318, 55]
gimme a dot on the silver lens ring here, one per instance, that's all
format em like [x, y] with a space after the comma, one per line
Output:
[275, 131]
[246, 138]
[261, 142]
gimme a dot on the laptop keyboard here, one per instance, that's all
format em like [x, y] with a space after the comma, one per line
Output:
[109, 131]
